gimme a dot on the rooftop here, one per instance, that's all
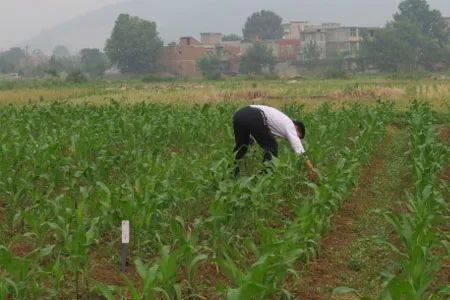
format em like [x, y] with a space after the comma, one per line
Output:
[297, 22]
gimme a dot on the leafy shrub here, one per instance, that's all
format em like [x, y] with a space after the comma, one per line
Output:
[156, 78]
[210, 66]
[417, 75]
[76, 77]
[335, 73]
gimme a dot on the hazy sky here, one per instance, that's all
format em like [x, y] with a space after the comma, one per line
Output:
[22, 19]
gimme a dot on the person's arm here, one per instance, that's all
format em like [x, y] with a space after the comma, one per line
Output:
[295, 141]
[298, 148]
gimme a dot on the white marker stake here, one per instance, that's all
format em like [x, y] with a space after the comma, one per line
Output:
[124, 248]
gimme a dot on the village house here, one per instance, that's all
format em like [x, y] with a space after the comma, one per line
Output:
[232, 52]
[210, 38]
[346, 41]
[313, 36]
[331, 39]
[288, 50]
[294, 29]
[181, 59]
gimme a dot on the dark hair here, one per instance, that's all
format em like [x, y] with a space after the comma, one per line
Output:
[301, 128]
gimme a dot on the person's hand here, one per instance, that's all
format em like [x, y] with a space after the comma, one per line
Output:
[312, 175]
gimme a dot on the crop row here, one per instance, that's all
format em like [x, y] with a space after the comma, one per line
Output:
[424, 242]
[70, 174]
[277, 252]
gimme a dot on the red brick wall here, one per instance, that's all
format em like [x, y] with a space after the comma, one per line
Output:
[288, 50]
[182, 60]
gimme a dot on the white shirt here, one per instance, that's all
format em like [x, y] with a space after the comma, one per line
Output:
[282, 126]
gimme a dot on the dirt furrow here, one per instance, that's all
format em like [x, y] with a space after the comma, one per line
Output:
[350, 254]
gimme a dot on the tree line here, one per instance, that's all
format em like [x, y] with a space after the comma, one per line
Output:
[87, 63]
[418, 38]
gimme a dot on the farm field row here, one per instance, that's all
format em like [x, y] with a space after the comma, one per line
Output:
[69, 175]
[310, 92]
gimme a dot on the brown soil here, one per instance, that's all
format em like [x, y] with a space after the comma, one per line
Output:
[112, 276]
[255, 95]
[21, 248]
[206, 278]
[2, 211]
[107, 272]
[445, 173]
[443, 276]
[444, 134]
[209, 273]
[332, 268]
[384, 92]
[326, 273]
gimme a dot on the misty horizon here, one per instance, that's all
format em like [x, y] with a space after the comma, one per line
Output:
[49, 23]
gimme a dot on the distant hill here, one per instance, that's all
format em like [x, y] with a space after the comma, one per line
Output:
[176, 18]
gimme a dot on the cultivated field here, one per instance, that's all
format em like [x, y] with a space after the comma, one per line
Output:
[76, 160]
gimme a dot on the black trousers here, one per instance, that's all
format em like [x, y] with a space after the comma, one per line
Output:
[249, 123]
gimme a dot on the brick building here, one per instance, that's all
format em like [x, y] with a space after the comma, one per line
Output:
[181, 59]
[332, 40]
[288, 50]
[293, 30]
[210, 38]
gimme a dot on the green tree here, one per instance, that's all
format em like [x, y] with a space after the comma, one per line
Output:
[430, 22]
[257, 59]
[134, 46]
[76, 76]
[61, 51]
[64, 64]
[11, 61]
[265, 25]
[390, 51]
[210, 66]
[93, 62]
[311, 54]
[418, 38]
[231, 37]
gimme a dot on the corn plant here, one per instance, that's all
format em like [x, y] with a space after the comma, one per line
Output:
[418, 227]
[72, 173]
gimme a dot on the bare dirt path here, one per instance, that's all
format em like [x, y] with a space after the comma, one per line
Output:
[350, 255]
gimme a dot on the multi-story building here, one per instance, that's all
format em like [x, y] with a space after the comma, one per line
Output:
[329, 39]
[316, 37]
[346, 41]
[294, 29]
